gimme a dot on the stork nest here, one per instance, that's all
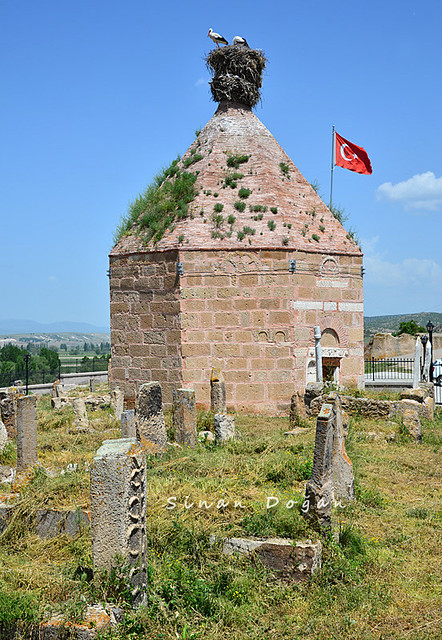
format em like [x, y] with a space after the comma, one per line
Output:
[237, 74]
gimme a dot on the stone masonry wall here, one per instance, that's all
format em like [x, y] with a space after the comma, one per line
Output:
[245, 313]
[145, 325]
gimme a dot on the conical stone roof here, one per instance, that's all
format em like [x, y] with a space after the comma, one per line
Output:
[268, 204]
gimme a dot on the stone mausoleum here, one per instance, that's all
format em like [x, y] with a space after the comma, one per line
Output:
[235, 272]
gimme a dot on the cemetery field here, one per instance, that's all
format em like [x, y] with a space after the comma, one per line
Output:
[380, 576]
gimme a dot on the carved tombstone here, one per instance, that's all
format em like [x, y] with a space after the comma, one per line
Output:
[151, 428]
[217, 392]
[332, 475]
[26, 432]
[184, 417]
[118, 510]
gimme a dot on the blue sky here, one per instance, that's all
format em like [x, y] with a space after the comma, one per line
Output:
[99, 95]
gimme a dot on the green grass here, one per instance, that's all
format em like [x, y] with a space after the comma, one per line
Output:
[380, 576]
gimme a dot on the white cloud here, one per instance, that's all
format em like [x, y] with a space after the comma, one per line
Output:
[200, 82]
[52, 279]
[422, 191]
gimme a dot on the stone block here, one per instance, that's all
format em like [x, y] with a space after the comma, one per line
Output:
[118, 510]
[128, 425]
[184, 417]
[151, 428]
[26, 432]
[224, 427]
[50, 523]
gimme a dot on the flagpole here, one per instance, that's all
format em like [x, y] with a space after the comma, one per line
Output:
[332, 167]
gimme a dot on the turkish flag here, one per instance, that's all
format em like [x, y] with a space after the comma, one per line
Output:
[350, 156]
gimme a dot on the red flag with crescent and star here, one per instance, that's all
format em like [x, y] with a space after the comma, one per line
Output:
[350, 156]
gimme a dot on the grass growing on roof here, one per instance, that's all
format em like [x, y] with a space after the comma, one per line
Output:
[165, 201]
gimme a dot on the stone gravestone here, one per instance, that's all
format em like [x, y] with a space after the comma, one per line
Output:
[332, 475]
[342, 467]
[217, 392]
[26, 432]
[92, 385]
[117, 402]
[128, 426]
[118, 510]
[184, 417]
[297, 411]
[55, 387]
[224, 427]
[151, 428]
[81, 422]
[8, 410]
[3, 436]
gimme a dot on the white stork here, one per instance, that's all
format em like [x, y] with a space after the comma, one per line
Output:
[216, 38]
[242, 42]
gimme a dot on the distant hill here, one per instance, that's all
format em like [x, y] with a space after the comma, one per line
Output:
[14, 327]
[390, 324]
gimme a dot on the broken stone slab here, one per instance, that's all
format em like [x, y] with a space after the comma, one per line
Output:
[92, 385]
[296, 432]
[128, 426]
[224, 425]
[217, 392]
[26, 432]
[117, 402]
[50, 523]
[290, 561]
[93, 403]
[418, 394]
[427, 410]
[151, 428]
[118, 510]
[184, 417]
[206, 436]
[96, 620]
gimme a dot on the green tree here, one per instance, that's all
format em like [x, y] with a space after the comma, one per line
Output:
[51, 357]
[63, 347]
[411, 327]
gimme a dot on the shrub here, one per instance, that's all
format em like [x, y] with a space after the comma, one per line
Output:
[235, 161]
[315, 237]
[271, 225]
[231, 180]
[244, 193]
[218, 207]
[274, 210]
[240, 206]
[192, 159]
[284, 168]
[231, 219]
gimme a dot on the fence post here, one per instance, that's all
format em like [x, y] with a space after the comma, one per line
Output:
[372, 366]
[43, 375]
